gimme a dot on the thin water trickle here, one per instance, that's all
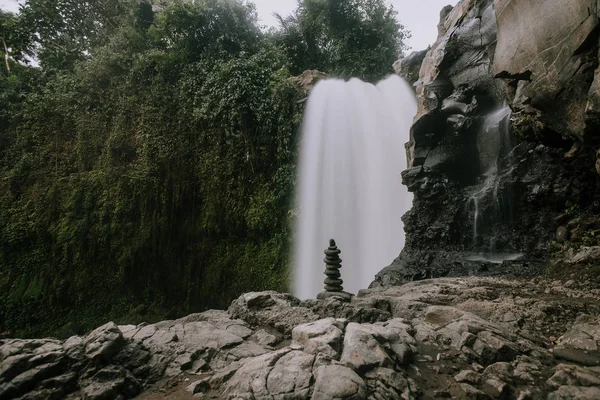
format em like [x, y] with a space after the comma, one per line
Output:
[351, 157]
[494, 144]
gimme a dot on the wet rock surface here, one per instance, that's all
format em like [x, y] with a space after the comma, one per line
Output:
[477, 337]
[550, 58]
[503, 149]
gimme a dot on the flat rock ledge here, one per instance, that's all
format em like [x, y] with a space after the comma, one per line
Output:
[467, 338]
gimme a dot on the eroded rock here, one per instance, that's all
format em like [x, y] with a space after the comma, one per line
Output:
[338, 382]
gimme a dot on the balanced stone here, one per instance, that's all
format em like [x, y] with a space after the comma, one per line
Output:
[333, 282]
[333, 263]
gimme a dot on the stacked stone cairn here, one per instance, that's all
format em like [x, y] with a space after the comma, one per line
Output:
[333, 282]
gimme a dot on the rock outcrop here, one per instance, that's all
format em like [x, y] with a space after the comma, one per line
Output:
[503, 148]
[408, 67]
[461, 338]
[547, 59]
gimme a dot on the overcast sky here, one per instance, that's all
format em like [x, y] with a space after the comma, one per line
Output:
[418, 16]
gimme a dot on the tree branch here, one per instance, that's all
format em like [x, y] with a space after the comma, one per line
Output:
[5, 54]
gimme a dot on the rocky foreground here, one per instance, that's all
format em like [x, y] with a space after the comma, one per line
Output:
[472, 337]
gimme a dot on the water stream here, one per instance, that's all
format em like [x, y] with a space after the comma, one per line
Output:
[349, 185]
[495, 147]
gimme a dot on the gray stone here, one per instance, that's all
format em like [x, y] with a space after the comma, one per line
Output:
[526, 372]
[496, 388]
[361, 350]
[200, 386]
[223, 375]
[203, 335]
[12, 366]
[467, 376]
[575, 393]
[492, 347]
[473, 393]
[145, 332]
[104, 342]
[128, 331]
[246, 350]
[339, 296]
[574, 375]
[133, 355]
[75, 348]
[43, 394]
[323, 336]
[181, 363]
[217, 318]
[403, 352]
[338, 382]
[291, 376]
[161, 337]
[251, 377]
[585, 254]
[27, 380]
[355, 312]
[109, 383]
[264, 338]
[387, 383]
[578, 356]
[271, 309]
[501, 370]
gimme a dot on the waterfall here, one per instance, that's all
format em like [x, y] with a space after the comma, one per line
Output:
[349, 185]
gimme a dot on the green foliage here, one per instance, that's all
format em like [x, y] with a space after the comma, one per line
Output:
[14, 38]
[63, 31]
[346, 38]
[147, 168]
[209, 28]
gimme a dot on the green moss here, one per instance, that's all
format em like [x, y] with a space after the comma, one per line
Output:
[526, 126]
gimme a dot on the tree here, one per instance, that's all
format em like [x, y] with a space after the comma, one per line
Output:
[346, 38]
[13, 40]
[62, 32]
[208, 28]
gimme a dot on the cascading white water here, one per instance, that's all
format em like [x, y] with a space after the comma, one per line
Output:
[493, 144]
[351, 157]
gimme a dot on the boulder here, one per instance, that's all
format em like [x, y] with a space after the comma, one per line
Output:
[323, 336]
[109, 383]
[338, 382]
[271, 309]
[104, 342]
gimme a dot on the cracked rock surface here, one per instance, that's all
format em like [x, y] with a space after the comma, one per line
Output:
[482, 338]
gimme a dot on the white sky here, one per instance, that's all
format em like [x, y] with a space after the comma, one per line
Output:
[10, 5]
[418, 16]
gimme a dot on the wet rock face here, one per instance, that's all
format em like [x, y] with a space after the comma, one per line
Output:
[444, 338]
[488, 181]
[456, 88]
[548, 58]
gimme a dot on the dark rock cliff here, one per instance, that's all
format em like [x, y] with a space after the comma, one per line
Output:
[503, 148]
